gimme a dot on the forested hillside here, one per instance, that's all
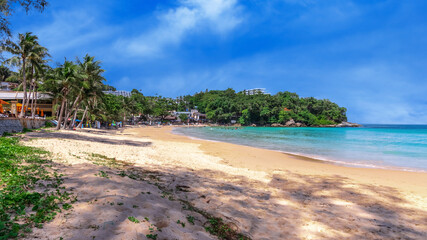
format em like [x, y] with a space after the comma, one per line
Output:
[227, 105]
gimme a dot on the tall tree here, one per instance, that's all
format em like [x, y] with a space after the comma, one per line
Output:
[27, 51]
[89, 86]
[60, 83]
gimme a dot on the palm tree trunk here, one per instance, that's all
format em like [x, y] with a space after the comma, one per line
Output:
[83, 118]
[35, 100]
[73, 121]
[57, 111]
[27, 103]
[73, 108]
[31, 91]
[66, 113]
[61, 112]
[24, 82]
[33, 110]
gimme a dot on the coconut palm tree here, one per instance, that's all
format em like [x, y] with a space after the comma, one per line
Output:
[90, 85]
[60, 83]
[28, 52]
[38, 79]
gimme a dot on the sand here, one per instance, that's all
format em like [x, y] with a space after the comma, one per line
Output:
[262, 194]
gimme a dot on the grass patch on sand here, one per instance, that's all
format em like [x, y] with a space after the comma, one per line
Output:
[133, 219]
[102, 174]
[30, 190]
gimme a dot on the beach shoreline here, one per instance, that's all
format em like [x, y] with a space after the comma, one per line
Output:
[308, 157]
[248, 157]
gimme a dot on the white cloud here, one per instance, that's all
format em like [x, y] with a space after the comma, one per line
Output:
[218, 16]
[71, 29]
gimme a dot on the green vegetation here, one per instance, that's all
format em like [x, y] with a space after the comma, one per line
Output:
[102, 174]
[216, 226]
[190, 219]
[30, 190]
[30, 57]
[225, 106]
[183, 117]
[182, 223]
[133, 219]
[151, 236]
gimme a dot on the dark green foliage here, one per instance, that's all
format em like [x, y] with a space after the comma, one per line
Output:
[7, 134]
[151, 236]
[5, 73]
[106, 87]
[183, 117]
[227, 105]
[190, 219]
[224, 106]
[26, 130]
[182, 223]
[49, 124]
[216, 226]
[21, 169]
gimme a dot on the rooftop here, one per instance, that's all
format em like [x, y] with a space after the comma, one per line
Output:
[13, 95]
[119, 93]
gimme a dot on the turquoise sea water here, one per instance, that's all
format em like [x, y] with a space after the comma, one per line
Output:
[382, 146]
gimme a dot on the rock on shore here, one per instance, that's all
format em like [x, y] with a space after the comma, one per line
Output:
[292, 123]
[348, 124]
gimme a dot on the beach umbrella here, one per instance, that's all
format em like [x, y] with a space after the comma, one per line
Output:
[3, 102]
[1, 105]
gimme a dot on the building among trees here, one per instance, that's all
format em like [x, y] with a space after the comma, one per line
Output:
[254, 91]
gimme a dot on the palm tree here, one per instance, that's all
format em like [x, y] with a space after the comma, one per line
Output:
[60, 83]
[39, 77]
[90, 85]
[28, 52]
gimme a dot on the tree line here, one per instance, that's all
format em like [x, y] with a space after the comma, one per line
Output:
[263, 109]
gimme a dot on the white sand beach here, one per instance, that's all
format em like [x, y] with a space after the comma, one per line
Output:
[260, 193]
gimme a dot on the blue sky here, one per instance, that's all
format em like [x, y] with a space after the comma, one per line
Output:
[368, 56]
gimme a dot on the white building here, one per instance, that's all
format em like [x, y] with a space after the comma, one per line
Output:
[254, 91]
[7, 86]
[118, 93]
[193, 115]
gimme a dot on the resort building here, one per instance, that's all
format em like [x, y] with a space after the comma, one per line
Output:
[14, 100]
[254, 91]
[7, 86]
[119, 93]
[193, 115]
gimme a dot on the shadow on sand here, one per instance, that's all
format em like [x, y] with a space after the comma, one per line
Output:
[71, 136]
[289, 206]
